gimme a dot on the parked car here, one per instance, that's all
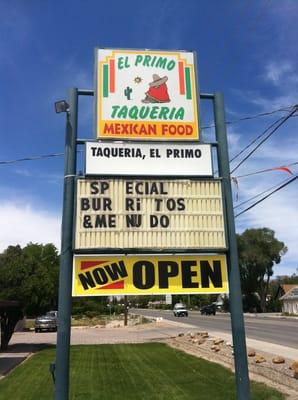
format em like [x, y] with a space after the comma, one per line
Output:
[47, 322]
[53, 314]
[180, 310]
[210, 309]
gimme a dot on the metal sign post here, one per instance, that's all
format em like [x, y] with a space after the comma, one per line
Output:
[65, 276]
[238, 330]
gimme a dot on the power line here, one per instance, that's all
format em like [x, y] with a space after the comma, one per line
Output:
[284, 119]
[261, 193]
[266, 170]
[32, 158]
[255, 139]
[266, 197]
[249, 117]
[264, 114]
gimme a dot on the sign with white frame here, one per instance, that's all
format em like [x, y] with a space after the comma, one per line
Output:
[146, 94]
[160, 159]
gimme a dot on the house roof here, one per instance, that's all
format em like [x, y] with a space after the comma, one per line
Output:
[287, 287]
[292, 294]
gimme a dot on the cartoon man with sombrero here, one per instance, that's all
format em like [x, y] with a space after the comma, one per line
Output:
[158, 90]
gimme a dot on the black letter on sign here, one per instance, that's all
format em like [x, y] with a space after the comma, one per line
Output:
[145, 268]
[213, 274]
[116, 271]
[87, 221]
[134, 220]
[100, 276]
[86, 280]
[85, 204]
[165, 270]
[187, 274]
[94, 187]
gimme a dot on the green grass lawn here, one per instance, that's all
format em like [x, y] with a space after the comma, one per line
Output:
[128, 372]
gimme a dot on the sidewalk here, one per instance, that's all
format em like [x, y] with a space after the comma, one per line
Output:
[17, 353]
[270, 348]
[270, 315]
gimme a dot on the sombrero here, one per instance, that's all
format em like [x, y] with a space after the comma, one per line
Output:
[157, 80]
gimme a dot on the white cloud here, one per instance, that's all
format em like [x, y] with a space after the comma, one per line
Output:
[23, 223]
[280, 72]
[234, 139]
[279, 212]
[276, 101]
[51, 178]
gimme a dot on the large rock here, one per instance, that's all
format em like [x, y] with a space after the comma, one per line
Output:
[218, 341]
[215, 348]
[251, 353]
[205, 334]
[294, 367]
[278, 360]
[259, 359]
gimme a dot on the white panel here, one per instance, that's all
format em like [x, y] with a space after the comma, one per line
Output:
[148, 159]
[176, 214]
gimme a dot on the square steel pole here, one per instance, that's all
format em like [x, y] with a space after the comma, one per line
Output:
[65, 274]
[235, 295]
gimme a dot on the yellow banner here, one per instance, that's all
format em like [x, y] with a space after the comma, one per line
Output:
[112, 275]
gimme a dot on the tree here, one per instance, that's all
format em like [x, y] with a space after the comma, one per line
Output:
[292, 280]
[259, 251]
[30, 275]
[10, 314]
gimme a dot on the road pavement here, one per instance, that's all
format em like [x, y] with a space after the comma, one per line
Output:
[280, 331]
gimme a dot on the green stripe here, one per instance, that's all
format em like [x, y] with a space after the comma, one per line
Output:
[187, 83]
[105, 86]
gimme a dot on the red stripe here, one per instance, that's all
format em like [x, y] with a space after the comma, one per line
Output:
[116, 285]
[181, 77]
[112, 76]
[89, 264]
[284, 169]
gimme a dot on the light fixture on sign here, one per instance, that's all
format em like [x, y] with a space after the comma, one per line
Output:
[61, 106]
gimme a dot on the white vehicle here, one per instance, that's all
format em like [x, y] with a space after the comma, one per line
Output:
[180, 310]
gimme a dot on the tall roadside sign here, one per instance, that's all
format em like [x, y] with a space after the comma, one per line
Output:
[150, 217]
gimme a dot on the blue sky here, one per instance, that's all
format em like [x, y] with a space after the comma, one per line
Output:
[246, 48]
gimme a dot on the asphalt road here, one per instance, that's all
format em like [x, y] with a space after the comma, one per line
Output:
[275, 330]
